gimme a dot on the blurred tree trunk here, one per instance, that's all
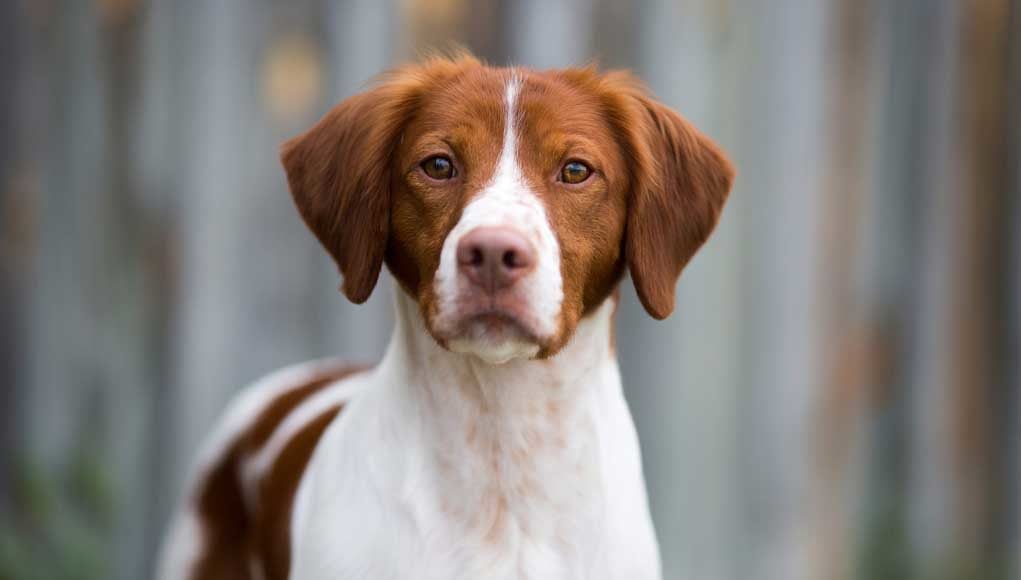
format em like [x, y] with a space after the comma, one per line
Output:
[853, 347]
[1011, 446]
[957, 296]
[66, 387]
[982, 382]
[15, 204]
[782, 64]
[130, 272]
[933, 175]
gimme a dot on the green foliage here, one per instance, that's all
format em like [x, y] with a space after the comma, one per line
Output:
[885, 551]
[61, 524]
[886, 554]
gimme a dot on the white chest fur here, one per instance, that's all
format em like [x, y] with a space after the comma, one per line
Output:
[444, 467]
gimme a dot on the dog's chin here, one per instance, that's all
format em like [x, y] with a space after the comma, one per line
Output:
[494, 337]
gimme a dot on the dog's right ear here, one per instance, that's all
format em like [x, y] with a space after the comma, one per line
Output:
[339, 175]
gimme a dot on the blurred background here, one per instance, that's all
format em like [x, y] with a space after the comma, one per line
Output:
[836, 396]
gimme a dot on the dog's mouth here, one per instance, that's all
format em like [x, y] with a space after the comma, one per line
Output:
[494, 333]
[495, 323]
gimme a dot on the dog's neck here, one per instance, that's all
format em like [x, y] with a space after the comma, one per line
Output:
[512, 444]
[456, 382]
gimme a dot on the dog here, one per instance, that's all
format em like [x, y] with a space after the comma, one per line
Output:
[493, 440]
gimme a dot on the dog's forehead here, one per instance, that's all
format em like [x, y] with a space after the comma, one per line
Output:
[547, 104]
[553, 95]
[475, 96]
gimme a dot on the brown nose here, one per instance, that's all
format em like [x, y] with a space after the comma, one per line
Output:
[494, 258]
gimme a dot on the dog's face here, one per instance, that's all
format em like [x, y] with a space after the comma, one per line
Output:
[508, 202]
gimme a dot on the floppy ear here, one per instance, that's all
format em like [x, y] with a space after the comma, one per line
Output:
[681, 181]
[339, 175]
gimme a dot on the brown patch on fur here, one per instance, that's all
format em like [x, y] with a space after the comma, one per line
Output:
[234, 532]
[272, 530]
[274, 415]
[225, 525]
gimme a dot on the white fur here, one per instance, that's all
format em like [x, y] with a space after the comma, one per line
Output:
[181, 546]
[507, 201]
[446, 467]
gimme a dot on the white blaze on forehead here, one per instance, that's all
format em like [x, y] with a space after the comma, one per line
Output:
[507, 201]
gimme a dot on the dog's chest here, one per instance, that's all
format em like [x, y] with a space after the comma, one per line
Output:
[520, 499]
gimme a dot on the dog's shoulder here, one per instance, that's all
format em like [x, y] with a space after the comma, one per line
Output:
[243, 485]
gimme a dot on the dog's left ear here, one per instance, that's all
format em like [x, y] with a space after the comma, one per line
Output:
[680, 182]
[338, 173]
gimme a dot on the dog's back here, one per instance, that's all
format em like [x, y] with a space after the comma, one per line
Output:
[233, 523]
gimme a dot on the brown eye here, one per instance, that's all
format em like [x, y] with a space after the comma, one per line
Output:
[575, 172]
[438, 167]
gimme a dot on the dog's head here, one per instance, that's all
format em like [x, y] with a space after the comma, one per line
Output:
[508, 202]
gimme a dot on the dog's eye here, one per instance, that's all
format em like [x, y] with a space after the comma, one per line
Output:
[438, 167]
[575, 172]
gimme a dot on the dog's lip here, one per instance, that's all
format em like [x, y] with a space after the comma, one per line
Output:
[492, 316]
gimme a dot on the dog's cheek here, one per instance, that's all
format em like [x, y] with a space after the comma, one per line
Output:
[420, 229]
[402, 253]
[589, 226]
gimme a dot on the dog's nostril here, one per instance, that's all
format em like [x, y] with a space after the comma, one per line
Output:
[477, 258]
[510, 259]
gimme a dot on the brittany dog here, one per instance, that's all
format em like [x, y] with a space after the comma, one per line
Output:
[493, 440]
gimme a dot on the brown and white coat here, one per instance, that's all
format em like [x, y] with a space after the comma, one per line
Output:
[493, 439]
